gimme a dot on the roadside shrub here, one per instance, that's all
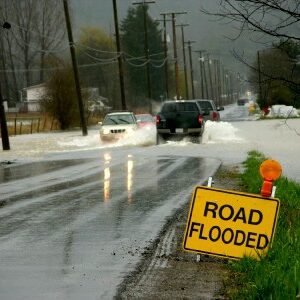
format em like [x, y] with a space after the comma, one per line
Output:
[277, 275]
[61, 99]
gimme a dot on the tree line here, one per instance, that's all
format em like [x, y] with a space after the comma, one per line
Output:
[34, 50]
[275, 73]
[35, 37]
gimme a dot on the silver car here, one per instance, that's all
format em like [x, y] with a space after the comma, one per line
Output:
[117, 125]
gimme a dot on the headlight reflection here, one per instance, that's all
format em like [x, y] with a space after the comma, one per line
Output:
[106, 187]
[129, 177]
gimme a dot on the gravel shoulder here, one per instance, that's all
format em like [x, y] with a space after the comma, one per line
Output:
[168, 272]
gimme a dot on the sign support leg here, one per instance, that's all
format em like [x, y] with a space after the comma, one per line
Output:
[273, 191]
[209, 184]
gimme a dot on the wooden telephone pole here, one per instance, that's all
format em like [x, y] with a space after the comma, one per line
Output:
[165, 20]
[191, 67]
[4, 131]
[75, 68]
[184, 60]
[3, 123]
[202, 73]
[120, 62]
[173, 15]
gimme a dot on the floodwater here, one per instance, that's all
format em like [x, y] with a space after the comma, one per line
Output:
[76, 215]
[73, 229]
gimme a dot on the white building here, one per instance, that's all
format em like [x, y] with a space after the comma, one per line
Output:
[35, 94]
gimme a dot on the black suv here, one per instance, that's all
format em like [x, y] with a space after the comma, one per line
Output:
[179, 118]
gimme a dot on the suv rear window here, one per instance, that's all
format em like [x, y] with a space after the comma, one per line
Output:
[205, 105]
[179, 106]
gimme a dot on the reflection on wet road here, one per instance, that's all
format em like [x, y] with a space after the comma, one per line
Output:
[34, 169]
[73, 229]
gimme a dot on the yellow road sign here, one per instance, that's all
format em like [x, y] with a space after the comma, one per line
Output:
[230, 224]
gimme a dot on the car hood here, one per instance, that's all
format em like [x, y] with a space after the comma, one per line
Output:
[121, 126]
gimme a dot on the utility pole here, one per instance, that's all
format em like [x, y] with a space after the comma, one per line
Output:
[201, 61]
[210, 77]
[120, 62]
[4, 131]
[75, 68]
[223, 85]
[259, 77]
[166, 54]
[215, 61]
[219, 82]
[226, 86]
[173, 15]
[191, 67]
[184, 60]
[205, 79]
[146, 48]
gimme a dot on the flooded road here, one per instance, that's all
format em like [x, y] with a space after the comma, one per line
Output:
[76, 215]
[74, 228]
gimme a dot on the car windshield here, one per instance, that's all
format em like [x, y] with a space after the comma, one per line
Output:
[118, 119]
[205, 105]
[179, 106]
[144, 118]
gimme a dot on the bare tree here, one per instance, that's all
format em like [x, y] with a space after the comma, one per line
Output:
[279, 20]
[276, 18]
[8, 50]
[25, 14]
[51, 33]
[35, 37]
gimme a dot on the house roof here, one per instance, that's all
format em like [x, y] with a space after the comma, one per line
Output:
[35, 86]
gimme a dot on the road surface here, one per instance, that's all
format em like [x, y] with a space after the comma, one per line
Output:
[76, 216]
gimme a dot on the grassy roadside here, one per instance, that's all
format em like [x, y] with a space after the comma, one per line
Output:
[276, 276]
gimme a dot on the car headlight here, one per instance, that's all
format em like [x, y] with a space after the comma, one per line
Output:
[105, 131]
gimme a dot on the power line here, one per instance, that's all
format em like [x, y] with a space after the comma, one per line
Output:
[96, 49]
[102, 59]
[79, 66]
[33, 31]
[161, 65]
[140, 65]
[46, 51]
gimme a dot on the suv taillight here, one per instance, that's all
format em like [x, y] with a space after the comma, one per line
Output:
[215, 116]
[158, 119]
[200, 119]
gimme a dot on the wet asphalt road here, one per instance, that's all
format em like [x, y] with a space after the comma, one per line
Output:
[74, 228]
[73, 225]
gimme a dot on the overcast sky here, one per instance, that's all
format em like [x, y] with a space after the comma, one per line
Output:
[209, 33]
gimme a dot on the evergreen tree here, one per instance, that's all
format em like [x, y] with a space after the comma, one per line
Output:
[133, 42]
